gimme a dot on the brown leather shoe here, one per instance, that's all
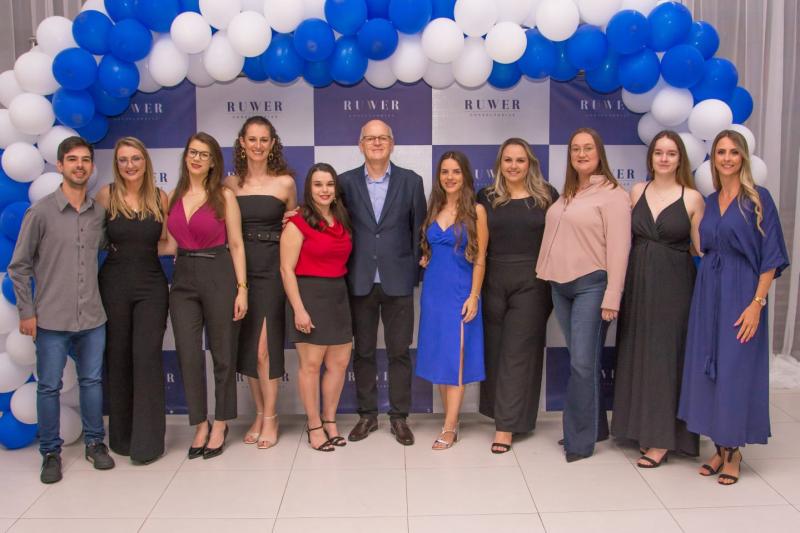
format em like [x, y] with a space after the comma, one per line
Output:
[362, 429]
[402, 432]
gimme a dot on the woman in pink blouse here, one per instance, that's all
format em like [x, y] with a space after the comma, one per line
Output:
[584, 255]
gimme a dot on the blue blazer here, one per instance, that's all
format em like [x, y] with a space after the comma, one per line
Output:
[390, 244]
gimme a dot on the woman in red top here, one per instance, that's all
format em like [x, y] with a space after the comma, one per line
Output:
[315, 246]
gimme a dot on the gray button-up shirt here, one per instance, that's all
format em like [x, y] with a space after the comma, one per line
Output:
[57, 247]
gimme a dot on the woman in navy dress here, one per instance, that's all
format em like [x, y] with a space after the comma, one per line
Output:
[725, 392]
[454, 240]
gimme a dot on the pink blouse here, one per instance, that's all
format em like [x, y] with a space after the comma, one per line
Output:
[203, 230]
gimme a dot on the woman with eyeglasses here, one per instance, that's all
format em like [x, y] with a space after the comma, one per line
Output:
[135, 296]
[265, 190]
[209, 287]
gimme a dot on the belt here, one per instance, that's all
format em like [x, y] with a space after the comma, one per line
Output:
[710, 369]
[208, 253]
[262, 236]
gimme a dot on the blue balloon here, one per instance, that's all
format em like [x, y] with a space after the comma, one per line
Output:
[628, 31]
[563, 70]
[741, 103]
[719, 80]
[587, 47]
[106, 104]
[12, 191]
[5, 397]
[378, 9]
[73, 108]
[91, 29]
[130, 41]
[314, 40]
[540, 57]
[377, 39]
[669, 25]
[118, 78]
[318, 73]
[410, 16]
[75, 68]
[639, 72]
[96, 129]
[11, 219]
[682, 66]
[348, 64]
[504, 76]
[8, 292]
[6, 251]
[14, 434]
[605, 78]
[190, 5]
[443, 9]
[157, 15]
[254, 68]
[346, 16]
[704, 37]
[120, 9]
[281, 61]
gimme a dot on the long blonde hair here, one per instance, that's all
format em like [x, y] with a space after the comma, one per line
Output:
[603, 168]
[747, 187]
[148, 194]
[535, 184]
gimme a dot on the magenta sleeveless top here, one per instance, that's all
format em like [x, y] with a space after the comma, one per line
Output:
[203, 230]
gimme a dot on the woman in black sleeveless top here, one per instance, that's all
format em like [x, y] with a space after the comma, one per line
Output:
[134, 292]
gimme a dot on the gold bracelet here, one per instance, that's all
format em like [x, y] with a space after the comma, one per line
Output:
[242, 285]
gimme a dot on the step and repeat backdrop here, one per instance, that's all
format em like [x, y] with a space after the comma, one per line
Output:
[323, 125]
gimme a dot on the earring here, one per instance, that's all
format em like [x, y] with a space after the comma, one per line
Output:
[242, 154]
[270, 156]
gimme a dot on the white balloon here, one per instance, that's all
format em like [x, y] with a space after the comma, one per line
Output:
[54, 34]
[648, 128]
[44, 185]
[513, 10]
[530, 20]
[198, 74]
[190, 32]
[710, 117]
[747, 134]
[598, 13]
[642, 6]
[557, 19]
[683, 127]
[9, 134]
[379, 74]
[313, 9]
[439, 75]
[672, 105]
[146, 82]
[473, 66]
[168, 66]
[703, 180]
[34, 73]
[70, 377]
[70, 427]
[758, 168]
[442, 40]
[249, 33]
[253, 5]
[709, 145]
[506, 42]
[20, 348]
[284, 15]
[641, 103]
[71, 398]
[22, 162]
[409, 61]
[695, 149]
[221, 60]
[220, 13]
[48, 142]
[12, 376]
[9, 87]
[31, 113]
[23, 403]
[96, 5]
[475, 17]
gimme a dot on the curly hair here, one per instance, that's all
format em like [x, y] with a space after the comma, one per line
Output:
[276, 162]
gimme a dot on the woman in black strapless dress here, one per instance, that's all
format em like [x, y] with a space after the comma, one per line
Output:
[265, 188]
[135, 296]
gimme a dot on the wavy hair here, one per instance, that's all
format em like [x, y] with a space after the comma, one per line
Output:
[276, 162]
[535, 184]
[683, 174]
[148, 194]
[311, 212]
[603, 169]
[747, 185]
[213, 180]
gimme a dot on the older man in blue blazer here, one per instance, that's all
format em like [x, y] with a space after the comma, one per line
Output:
[387, 207]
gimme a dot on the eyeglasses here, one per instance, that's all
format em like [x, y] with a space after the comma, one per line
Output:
[587, 149]
[380, 139]
[197, 154]
[135, 160]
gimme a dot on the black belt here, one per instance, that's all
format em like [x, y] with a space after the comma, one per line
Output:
[262, 236]
[208, 253]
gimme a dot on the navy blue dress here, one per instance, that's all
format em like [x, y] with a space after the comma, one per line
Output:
[445, 288]
[725, 391]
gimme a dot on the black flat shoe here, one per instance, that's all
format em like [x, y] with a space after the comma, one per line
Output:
[194, 453]
[210, 453]
[572, 457]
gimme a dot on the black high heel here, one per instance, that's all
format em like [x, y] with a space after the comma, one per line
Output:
[337, 440]
[210, 453]
[326, 446]
[710, 471]
[730, 479]
[194, 453]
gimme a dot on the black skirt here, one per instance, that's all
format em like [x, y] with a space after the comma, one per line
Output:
[328, 304]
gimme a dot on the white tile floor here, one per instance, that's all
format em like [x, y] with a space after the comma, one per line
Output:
[378, 485]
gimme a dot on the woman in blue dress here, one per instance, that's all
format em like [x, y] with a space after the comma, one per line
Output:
[725, 392]
[454, 240]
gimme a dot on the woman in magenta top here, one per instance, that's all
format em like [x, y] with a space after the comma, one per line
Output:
[209, 286]
[315, 246]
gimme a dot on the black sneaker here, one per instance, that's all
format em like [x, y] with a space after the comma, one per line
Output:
[51, 468]
[97, 454]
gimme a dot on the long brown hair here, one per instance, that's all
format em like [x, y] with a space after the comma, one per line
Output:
[747, 187]
[276, 162]
[535, 184]
[603, 169]
[213, 180]
[149, 195]
[311, 212]
[465, 207]
[683, 174]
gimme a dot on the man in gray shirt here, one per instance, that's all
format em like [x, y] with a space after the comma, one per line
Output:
[57, 247]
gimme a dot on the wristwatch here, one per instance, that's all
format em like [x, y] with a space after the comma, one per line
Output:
[761, 301]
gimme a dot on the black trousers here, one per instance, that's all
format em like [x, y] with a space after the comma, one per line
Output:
[203, 292]
[397, 313]
[135, 298]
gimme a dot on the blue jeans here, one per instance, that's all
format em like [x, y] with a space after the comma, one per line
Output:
[52, 349]
[577, 307]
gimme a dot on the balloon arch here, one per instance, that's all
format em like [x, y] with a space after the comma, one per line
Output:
[81, 72]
